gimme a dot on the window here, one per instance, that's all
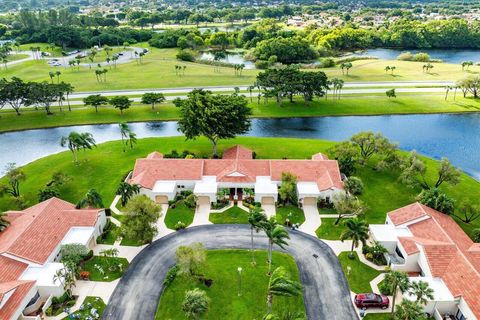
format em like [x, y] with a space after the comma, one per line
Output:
[397, 250]
[33, 300]
[460, 315]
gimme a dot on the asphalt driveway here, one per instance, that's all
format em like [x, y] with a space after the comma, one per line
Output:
[326, 292]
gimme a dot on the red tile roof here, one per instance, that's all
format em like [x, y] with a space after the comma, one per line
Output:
[408, 245]
[13, 303]
[238, 166]
[35, 233]
[450, 253]
[10, 269]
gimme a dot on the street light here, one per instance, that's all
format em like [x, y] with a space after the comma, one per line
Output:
[239, 269]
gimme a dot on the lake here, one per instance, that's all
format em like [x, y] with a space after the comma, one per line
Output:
[446, 55]
[233, 58]
[455, 136]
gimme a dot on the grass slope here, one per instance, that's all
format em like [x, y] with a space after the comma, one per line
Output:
[225, 303]
[348, 105]
[108, 165]
[360, 274]
[232, 215]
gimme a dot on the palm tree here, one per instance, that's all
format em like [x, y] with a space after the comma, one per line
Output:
[410, 310]
[73, 141]
[357, 231]
[255, 219]
[126, 191]
[422, 292]
[92, 200]
[3, 222]
[280, 284]
[396, 280]
[277, 235]
[86, 142]
[128, 136]
[132, 139]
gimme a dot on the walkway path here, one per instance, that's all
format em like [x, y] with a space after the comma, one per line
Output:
[161, 227]
[312, 219]
[202, 213]
[139, 290]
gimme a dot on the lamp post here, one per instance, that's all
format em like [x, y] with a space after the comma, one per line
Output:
[239, 269]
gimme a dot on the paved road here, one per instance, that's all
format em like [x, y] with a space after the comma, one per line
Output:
[326, 292]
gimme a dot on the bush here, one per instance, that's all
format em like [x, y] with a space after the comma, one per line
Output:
[405, 56]
[170, 277]
[384, 289]
[436, 199]
[85, 275]
[186, 55]
[421, 57]
[327, 63]
[354, 185]
[190, 201]
[180, 226]
[262, 64]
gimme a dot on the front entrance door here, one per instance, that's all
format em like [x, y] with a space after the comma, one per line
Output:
[236, 191]
[161, 199]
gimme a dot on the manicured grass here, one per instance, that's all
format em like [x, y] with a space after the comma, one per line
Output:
[15, 57]
[108, 164]
[327, 211]
[348, 105]
[110, 234]
[94, 302]
[360, 274]
[374, 70]
[329, 231]
[378, 316]
[225, 303]
[105, 263]
[180, 213]
[156, 71]
[290, 212]
[232, 215]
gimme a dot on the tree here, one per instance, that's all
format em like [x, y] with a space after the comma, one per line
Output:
[370, 143]
[95, 100]
[288, 188]
[391, 93]
[3, 221]
[72, 254]
[191, 259]
[357, 231]
[354, 185]
[14, 176]
[421, 291]
[476, 235]
[153, 98]
[346, 66]
[346, 153]
[128, 136]
[409, 310]
[447, 173]
[347, 206]
[86, 142]
[469, 212]
[126, 191]
[195, 304]
[121, 103]
[256, 218]
[73, 141]
[436, 199]
[277, 235]
[92, 199]
[396, 280]
[42, 93]
[47, 193]
[141, 215]
[213, 116]
[280, 284]
[66, 278]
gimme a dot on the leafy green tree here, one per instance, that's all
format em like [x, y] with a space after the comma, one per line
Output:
[195, 304]
[121, 103]
[14, 176]
[141, 215]
[354, 185]
[288, 188]
[256, 218]
[394, 281]
[47, 193]
[95, 100]
[220, 39]
[286, 50]
[476, 235]
[4, 223]
[191, 259]
[436, 199]
[277, 235]
[421, 291]
[370, 143]
[357, 231]
[347, 206]
[126, 191]
[153, 98]
[468, 212]
[92, 199]
[213, 116]
[409, 310]
[391, 93]
[346, 153]
[280, 284]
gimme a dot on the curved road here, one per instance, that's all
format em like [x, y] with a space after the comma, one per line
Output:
[326, 292]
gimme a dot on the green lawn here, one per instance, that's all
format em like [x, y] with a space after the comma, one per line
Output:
[360, 274]
[180, 213]
[105, 263]
[348, 105]
[108, 164]
[378, 316]
[329, 231]
[15, 57]
[88, 304]
[290, 212]
[225, 303]
[110, 234]
[232, 215]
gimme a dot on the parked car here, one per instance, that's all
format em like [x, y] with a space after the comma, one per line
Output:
[371, 300]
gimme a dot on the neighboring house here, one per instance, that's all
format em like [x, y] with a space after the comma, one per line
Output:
[432, 247]
[161, 179]
[29, 252]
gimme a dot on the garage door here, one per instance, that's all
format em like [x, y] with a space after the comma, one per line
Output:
[309, 201]
[203, 200]
[161, 199]
[268, 200]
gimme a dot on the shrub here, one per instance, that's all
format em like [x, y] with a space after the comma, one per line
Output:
[85, 275]
[385, 289]
[327, 63]
[436, 199]
[186, 55]
[354, 185]
[405, 56]
[190, 201]
[180, 226]
[421, 57]
[262, 64]
[170, 277]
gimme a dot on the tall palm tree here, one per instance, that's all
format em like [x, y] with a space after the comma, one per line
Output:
[73, 142]
[132, 139]
[92, 200]
[86, 142]
[126, 191]
[124, 133]
[422, 292]
[3, 222]
[396, 280]
[280, 284]
[255, 219]
[277, 235]
[357, 231]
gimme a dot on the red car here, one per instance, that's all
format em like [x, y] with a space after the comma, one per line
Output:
[369, 300]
